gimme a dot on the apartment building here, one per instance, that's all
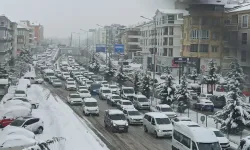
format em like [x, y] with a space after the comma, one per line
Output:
[23, 36]
[203, 33]
[168, 39]
[7, 39]
[237, 35]
[130, 38]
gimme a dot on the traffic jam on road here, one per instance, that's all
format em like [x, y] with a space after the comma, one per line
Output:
[120, 117]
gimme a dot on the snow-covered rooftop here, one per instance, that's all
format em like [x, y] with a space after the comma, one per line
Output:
[22, 26]
[172, 11]
[242, 7]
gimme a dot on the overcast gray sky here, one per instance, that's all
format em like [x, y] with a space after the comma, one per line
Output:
[60, 17]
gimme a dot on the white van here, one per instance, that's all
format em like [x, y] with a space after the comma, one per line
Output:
[30, 76]
[24, 82]
[188, 135]
[158, 124]
[47, 74]
[90, 106]
[21, 91]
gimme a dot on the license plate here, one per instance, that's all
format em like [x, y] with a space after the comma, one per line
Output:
[121, 128]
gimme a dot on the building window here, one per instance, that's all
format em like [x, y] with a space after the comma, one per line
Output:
[170, 52]
[171, 42]
[165, 41]
[215, 36]
[244, 38]
[166, 31]
[2, 23]
[165, 52]
[171, 30]
[214, 49]
[204, 48]
[243, 56]
[170, 18]
[204, 34]
[244, 22]
[194, 34]
[180, 16]
[194, 48]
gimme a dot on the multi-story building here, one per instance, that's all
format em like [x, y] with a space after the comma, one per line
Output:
[32, 42]
[237, 36]
[131, 40]
[23, 36]
[168, 40]
[14, 39]
[6, 39]
[203, 32]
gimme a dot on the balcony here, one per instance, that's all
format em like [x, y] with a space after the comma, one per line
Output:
[231, 27]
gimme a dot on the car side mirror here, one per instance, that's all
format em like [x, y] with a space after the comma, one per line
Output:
[153, 123]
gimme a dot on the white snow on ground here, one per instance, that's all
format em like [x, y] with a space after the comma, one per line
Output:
[60, 121]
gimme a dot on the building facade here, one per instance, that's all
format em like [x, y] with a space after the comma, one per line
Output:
[14, 39]
[168, 40]
[23, 37]
[6, 39]
[203, 33]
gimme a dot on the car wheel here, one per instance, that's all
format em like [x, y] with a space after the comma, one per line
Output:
[40, 130]
[145, 129]
[155, 134]
[128, 122]
[33, 106]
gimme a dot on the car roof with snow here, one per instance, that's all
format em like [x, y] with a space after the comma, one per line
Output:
[204, 100]
[126, 87]
[115, 95]
[114, 111]
[73, 94]
[156, 115]
[113, 85]
[104, 88]
[183, 118]
[163, 106]
[130, 109]
[140, 96]
[195, 131]
[124, 100]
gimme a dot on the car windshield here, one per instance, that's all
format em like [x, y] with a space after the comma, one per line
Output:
[82, 87]
[106, 91]
[91, 104]
[75, 96]
[19, 92]
[116, 97]
[96, 86]
[142, 99]
[84, 91]
[117, 117]
[218, 134]
[126, 103]
[128, 91]
[209, 146]
[134, 113]
[162, 121]
[71, 83]
[89, 82]
[105, 83]
[113, 87]
[57, 80]
[166, 110]
[17, 123]
[50, 74]
[20, 98]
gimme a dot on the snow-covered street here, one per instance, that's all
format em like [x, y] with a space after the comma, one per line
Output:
[61, 121]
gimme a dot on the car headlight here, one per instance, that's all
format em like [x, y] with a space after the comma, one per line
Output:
[126, 124]
[114, 124]
[158, 130]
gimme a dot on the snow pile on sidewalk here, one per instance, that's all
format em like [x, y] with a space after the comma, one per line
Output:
[60, 121]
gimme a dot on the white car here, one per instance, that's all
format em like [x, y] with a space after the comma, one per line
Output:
[180, 119]
[21, 103]
[105, 84]
[165, 109]
[15, 111]
[133, 116]
[113, 88]
[84, 93]
[90, 106]
[74, 98]
[113, 99]
[104, 93]
[70, 86]
[141, 102]
[82, 87]
[65, 75]
[12, 130]
[224, 142]
[125, 104]
[11, 141]
[71, 80]
[34, 125]
[88, 83]
[34, 103]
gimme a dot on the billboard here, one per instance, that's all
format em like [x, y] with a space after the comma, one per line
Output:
[100, 48]
[119, 48]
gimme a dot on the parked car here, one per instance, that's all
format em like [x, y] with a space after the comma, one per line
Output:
[157, 124]
[74, 99]
[32, 124]
[125, 104]
[141, 102]
[57, 83]
[133, 116]
[104, 92]
[115, 120]
[84, 93]
[90, 106]
[218, 101]
[204, 104]
[11, 141]
[38, 80]
[224, 142]
[34, 103]
[113, 99]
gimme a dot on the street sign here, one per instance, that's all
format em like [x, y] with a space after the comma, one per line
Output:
[182, 60]
[100, 48]
[202, 119]
[119, 48]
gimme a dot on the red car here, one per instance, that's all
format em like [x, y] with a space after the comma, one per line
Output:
[6, 121]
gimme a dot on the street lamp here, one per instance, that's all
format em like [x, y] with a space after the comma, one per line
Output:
[154, 56]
